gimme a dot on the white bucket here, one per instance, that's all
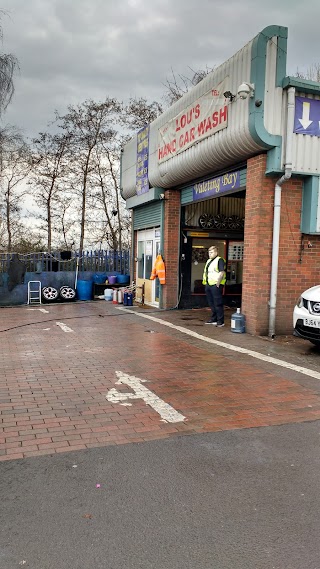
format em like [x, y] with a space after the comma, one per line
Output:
[108, 294]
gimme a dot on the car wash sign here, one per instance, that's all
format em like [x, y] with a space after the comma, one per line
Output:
[307, 116]
[206, 116]
[142, 180]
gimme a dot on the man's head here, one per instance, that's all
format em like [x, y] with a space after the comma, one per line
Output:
[213, 252]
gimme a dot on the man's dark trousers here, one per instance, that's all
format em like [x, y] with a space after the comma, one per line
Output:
[214, 298]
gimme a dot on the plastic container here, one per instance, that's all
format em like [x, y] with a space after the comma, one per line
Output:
[238, 322]
[123, 279]
[108, 294]
[84, 290]
[99, 278]
[120, 296]
[125, 298]
[129, 299]
[112, 280]
[115, 296]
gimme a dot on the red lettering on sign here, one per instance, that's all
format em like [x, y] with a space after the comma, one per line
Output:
[167, 149]
[186, 118]
[215, 119]
[224, 114]
[187, 137]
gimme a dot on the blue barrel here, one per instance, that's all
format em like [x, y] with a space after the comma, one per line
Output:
[84, 290]
[129, 299]
[125, 298]
[238, 322]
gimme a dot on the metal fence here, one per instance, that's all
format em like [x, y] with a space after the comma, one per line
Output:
[97, 261]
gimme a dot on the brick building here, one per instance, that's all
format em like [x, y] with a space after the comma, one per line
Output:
[236, 163]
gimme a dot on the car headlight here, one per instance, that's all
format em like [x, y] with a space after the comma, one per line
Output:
[300, 302]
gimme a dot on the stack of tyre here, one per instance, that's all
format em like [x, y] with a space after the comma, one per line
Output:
[64, 294]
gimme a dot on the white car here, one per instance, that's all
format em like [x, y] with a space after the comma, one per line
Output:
[306, 316]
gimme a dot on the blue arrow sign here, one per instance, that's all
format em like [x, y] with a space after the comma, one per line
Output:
[307, 116]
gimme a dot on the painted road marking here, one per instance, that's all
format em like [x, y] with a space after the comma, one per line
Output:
[167, 413]
[257, 355]
[41, 310]
[64, 327]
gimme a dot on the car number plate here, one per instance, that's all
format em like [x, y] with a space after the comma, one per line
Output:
[312, 323]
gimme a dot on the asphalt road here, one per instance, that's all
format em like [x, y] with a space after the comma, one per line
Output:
[233, 484]
[242, 499]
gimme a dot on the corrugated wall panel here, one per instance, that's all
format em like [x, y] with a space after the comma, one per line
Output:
[229, 145]
[147, 216]
[225, 147]
[128, 169]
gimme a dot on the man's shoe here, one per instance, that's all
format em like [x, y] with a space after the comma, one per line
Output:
[212, 322]
[220, 325]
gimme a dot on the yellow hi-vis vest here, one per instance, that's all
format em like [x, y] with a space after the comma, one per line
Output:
[213, 271]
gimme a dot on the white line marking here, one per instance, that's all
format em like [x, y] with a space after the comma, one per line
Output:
[166, 412]
[64, 327]
[41, 310]
[257, 355]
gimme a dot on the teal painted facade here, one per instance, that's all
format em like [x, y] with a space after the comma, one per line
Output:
[258, 74]
[310, 222]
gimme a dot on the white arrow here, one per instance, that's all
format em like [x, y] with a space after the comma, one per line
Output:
[166, 412]
[305, 116]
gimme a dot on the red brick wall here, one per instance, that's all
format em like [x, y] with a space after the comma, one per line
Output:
[171, 247]
[298, 270]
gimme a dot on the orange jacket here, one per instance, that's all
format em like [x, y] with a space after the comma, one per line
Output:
[159, 270]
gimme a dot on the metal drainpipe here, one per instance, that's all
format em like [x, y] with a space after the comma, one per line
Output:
[277, 212]
[161, 249]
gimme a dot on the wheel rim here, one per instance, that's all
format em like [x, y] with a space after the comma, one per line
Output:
[67, 292]
[50, 293]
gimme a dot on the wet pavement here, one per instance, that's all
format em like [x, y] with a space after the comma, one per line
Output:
[93, 374]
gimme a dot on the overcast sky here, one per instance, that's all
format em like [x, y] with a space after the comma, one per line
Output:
[73, 50]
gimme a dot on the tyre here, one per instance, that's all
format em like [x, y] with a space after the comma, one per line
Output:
[67, 293]
[49, 294]
[220, 221]
[206, 220]
[234, 222]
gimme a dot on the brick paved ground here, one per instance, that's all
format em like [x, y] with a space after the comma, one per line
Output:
[53, 383]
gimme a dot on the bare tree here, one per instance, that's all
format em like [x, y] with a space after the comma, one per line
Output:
[138, 112]
[15, 165]
[178, 85]
[50, 170]
[312, 73]
[88, 126]
[108, 203]
[8, 65]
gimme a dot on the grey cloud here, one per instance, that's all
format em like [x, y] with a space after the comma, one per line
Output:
[71, 50]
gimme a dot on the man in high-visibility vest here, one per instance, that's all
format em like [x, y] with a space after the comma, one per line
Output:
[214, 277]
